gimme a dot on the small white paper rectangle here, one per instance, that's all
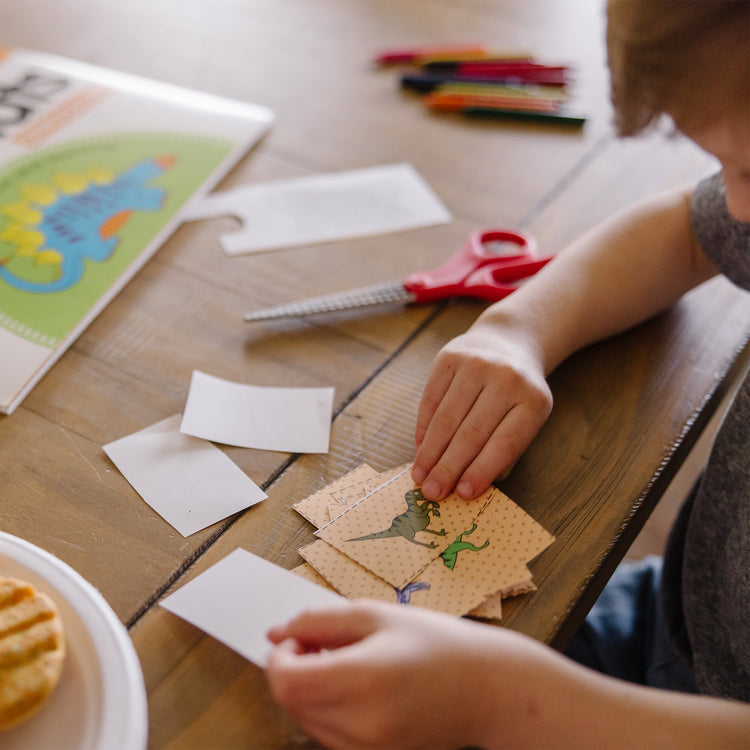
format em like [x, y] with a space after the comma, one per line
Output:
[293, 420]
[324, 208]
[239, 598]
[188, 482]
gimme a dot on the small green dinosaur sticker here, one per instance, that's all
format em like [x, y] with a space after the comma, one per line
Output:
[450, 555]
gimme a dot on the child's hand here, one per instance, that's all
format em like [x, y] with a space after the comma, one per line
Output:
[484, 402]
[372, 675]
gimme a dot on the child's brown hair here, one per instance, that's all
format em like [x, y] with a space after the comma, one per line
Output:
[671, 56]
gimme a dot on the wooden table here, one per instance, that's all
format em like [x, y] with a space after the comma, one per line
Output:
[627, 411]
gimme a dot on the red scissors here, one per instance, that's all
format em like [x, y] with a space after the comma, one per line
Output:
[487, 267]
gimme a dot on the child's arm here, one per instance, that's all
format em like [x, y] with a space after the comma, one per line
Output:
[400, 677]
[486, 397]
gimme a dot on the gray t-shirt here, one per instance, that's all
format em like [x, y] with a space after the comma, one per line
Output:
[706, 577]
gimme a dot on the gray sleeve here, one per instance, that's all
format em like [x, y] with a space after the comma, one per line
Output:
[722, 238]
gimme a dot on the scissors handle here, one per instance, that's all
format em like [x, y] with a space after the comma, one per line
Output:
[494, 282]
[450, 279]
[479, 269]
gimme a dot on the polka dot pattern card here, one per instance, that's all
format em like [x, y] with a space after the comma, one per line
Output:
[315, 507]
[346, 576]
[371, 549]
[395, 532]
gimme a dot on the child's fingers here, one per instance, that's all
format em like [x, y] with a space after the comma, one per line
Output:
[302, 680]
[455, 415]
[468, 441]
[329, 628]
[487, 418]
[434, 392]
[299, 681]
[311, 669]
[501, 451]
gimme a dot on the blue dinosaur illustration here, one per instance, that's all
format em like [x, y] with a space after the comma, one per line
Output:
[450, 554]
[83, 226]
[404, 595]
[414, 519]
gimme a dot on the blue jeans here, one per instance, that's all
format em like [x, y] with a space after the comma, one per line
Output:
[624, 635]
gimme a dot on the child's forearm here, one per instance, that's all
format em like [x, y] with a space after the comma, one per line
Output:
[651, 718]
[616, 276]
[369, 674]
[486, 396]
[560, 704]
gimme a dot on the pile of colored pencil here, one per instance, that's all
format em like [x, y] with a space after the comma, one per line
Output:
[474, 81]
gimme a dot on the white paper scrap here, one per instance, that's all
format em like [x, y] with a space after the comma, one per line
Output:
[294, 420]
[188, 482]
[324, 208]
[239, 598]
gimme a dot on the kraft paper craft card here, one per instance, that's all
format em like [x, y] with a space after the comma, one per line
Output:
[315, 507]
[97, 169]
[492, 607]
[353, 581]
[326, 504]
[310, 574]
[346, 576]
[487, 558]
[353, 493]
[480, 565]
[395, 532]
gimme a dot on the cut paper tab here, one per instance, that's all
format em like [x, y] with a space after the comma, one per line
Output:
[188, 482]
[324, 208]
[293, 420]
[241, 597]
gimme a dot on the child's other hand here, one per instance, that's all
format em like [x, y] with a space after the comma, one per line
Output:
[373, 675]
[484, 402]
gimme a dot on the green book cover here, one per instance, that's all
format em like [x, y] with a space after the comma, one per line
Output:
[97, 168]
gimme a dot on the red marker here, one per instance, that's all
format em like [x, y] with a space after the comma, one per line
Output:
[433, 53]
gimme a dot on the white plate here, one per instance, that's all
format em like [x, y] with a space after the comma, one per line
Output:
[100, 701]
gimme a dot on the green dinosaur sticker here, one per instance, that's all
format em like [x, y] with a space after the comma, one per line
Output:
[74, 217]
[459, 544]
[416, 518]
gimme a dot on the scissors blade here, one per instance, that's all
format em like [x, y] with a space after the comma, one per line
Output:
[377, 294]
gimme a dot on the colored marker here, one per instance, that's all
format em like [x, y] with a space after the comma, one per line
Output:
[490, 62]
[456, 102]
[504, 57]
[529, 91]
[432, 53]
[554, 75]
[497, 113]
[430, 81]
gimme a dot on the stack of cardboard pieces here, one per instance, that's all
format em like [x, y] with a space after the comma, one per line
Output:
[379, 538]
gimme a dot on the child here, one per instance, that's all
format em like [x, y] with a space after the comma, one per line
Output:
[371, 675]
